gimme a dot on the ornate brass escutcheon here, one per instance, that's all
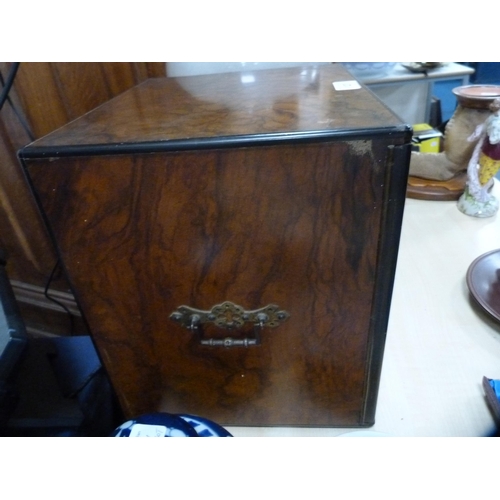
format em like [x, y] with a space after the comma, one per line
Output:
[229, 316]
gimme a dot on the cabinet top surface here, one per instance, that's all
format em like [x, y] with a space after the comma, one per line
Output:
[279, 102]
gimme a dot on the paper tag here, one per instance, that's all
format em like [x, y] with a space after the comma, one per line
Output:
[144, 430]
[346, 85]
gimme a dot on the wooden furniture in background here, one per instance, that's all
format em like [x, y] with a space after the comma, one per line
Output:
[47, 96]
[233, 190]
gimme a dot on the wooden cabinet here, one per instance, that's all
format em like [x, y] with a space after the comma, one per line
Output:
[232, 240]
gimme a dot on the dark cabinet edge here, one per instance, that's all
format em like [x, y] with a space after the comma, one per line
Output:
[396, 184]
[33, 151]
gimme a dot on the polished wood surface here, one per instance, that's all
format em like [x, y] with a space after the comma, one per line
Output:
[253, 226]
[309, 225]
[267, 102]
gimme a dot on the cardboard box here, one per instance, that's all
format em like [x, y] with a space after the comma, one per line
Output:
[426, 139]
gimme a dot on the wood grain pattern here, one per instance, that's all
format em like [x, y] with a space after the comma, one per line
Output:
[296, 226]
[23, 236]
[282, 101]
[52, 94]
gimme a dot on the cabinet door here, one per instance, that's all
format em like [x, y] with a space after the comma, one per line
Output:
[296, 226]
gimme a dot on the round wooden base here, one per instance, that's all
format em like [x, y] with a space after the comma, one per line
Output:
[427, 189]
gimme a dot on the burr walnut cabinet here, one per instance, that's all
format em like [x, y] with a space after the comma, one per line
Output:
[232, 240]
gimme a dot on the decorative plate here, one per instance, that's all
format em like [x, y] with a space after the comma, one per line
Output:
[483, 280]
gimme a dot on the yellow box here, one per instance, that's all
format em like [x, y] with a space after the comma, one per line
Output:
[426, 139]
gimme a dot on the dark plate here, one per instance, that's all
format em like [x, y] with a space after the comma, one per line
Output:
[483, 280]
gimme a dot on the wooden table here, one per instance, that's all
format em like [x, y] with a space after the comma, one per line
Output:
[439, 343]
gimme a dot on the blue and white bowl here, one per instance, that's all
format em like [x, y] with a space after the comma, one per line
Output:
[169, 425]
[205, 427]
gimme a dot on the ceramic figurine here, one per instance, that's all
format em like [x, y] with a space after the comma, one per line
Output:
[477, 201]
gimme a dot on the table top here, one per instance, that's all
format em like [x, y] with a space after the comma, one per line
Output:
[440, 343]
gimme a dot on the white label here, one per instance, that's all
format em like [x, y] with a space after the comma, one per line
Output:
[346, 85]
[144, 430]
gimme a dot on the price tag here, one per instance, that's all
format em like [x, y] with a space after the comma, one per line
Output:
[346, 85]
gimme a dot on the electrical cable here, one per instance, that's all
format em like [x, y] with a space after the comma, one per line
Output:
[4, 96]
[21, 119]
[46, 293]
[8, 83]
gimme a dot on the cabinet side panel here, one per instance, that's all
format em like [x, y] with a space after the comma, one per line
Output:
[297, 226]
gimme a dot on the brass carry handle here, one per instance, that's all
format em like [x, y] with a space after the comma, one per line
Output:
[229, 316]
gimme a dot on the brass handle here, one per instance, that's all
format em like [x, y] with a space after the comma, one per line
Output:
[229, 316]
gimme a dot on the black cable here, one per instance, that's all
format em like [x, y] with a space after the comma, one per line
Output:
[21, 119]
[46, 293]
[4, 96]
[8, 83]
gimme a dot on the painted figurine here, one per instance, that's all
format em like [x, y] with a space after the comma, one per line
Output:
[484, 164]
